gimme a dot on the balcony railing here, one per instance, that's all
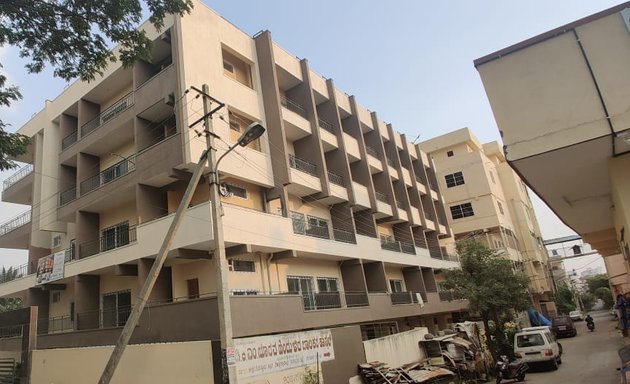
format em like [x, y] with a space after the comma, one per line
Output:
[108, 114]
[160, 132]
[13, 273]
[436, 253]
[400, 204]
[326, 125]
[17, 176]
[68, 195]
[380, 196]
[390, 162]
[445, 295]
[398, 298]
[371, 151]
[302, 165]
[108, 175]
[335, 178]
[344, 236]
[302, 227]
[327, 300]
[293, 106]
[115, 239]
[356, 299]
[104, 318]
[69, 140]
[397, 246]
[15, 223]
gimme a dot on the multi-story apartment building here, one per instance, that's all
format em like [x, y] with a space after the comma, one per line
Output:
[487, 201]
[560, 102]
[331, 219]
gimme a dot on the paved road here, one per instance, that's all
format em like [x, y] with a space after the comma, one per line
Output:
[590, 357]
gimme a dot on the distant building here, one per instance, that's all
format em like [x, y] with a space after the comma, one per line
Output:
[486, 200]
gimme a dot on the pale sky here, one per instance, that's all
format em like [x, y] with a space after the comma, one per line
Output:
[410, 61]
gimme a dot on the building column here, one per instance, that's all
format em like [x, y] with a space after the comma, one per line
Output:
[87, 290]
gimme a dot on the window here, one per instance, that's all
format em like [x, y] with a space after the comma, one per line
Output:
[116, 308]
[500, 207]
[373, 331]
[302, 285]
[56, 296]
[449, 153]
[193, 288]
[462, 210]
[241, 265]
[115, 236]
[396, 285]
[235, 190]
[327, 284]
[454, 179]
[492, 177]
[238, 124]
[236, 68]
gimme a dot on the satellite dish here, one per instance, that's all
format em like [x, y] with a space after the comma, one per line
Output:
[224, 190]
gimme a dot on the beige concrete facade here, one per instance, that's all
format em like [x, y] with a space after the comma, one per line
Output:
[560, 102]
[499, 212]
[331, 218]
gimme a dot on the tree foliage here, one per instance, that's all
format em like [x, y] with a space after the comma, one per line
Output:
[597, 281]
[604, 294]
[9, 303]
[491, 287]
[564, 299]
[74, 37]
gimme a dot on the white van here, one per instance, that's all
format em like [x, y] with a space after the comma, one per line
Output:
[537, 345]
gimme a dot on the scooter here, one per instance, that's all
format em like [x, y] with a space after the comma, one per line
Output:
[506, 370]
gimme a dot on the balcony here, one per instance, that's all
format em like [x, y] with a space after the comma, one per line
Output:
[108, 175]
[68, 195]
[12, 273]
[436, 253]
[108, 114]
[303, 227]
[397, 246]
[344, 236]
[326, 125]
[17, 188]
[302, 165]
[15, 223]
[398, 298]
[293, 106]
[371, 151]
[445, 295]
[112, 240]
[335, 179]
[69, 140]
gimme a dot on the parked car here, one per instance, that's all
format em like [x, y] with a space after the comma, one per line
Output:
[576, 315]
[537, 345]
[563, 326]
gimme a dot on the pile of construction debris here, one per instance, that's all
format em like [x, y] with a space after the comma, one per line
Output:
[456, 356]
[379, 373]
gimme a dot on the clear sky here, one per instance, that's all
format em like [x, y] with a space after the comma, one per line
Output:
[409, 60]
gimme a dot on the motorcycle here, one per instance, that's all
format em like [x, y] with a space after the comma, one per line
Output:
[590, 325]
[506, 370]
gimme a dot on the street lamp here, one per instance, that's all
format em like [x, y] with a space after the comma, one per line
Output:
[252, 132]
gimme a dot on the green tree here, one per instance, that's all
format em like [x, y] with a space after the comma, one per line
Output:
[588, 300]
[564, 299]
[491, 287]
[74, 37]
[604, 294]
[9, 303]
[597, 281]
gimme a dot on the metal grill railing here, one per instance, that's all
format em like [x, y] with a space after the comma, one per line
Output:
[380, 196]
[12, 273]
[69, 140]
[446, 295]
[302, 227]
[293, 106]
[326, 125]
[110, 174]
[108, 114]
[302, 165]
[17, 176]
[335, 178]
[15, 223]
[371, 151]
[68, 195]
[390, 245]
[357, 299]
[407, 248]
[344, 236]
[103, 318]
[436, 253]
[119, 238]
[327, 300]
[398, 298]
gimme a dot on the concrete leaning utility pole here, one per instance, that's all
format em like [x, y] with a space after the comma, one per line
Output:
[145, 291]
[218, 248]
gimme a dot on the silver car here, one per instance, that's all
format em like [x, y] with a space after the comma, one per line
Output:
[576, 315]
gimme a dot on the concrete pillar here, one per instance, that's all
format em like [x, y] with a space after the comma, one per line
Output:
[87, 301]
[87, 234]
[37, 297]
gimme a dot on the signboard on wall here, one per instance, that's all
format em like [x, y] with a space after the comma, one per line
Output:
[50, 268]
[262, 355]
